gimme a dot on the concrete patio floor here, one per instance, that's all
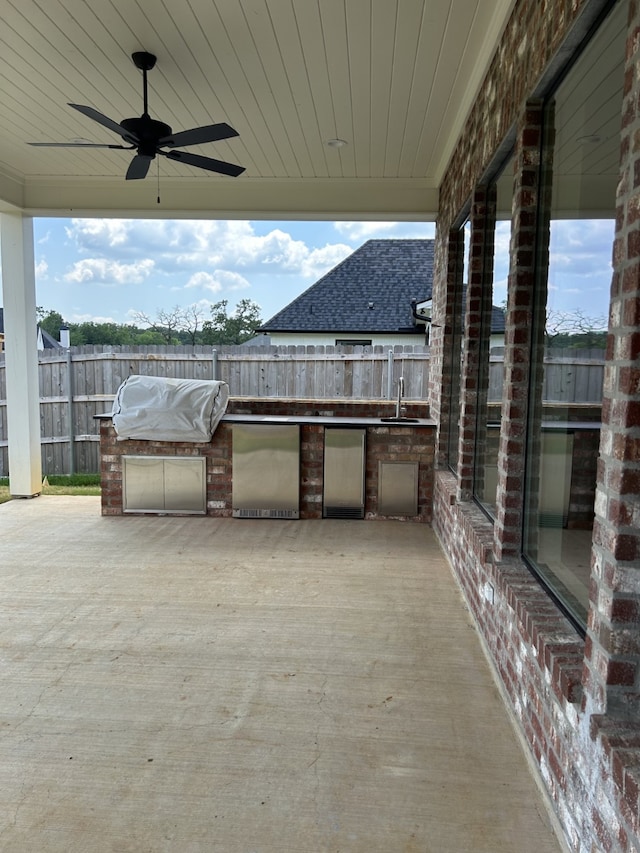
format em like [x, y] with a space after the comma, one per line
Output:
[227, 685]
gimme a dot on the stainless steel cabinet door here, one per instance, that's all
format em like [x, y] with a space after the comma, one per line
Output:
[164, 484]
[266, 470]
[344, 470]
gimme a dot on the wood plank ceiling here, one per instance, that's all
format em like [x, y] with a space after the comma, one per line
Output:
[393, 78]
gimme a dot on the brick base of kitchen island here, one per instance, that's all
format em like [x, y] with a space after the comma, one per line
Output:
[384, 442]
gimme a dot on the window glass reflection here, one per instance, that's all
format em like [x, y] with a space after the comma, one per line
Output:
[491, 348]
[457, 343]
[575, 235]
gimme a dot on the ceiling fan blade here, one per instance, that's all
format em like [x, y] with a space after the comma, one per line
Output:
[79, 145]
[138, 167]
[199, 135]
[106, 122]
[205, 163]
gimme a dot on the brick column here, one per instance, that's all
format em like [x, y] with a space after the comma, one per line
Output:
[612, 669]
[447, 286]
[479, 289]
[529, 247]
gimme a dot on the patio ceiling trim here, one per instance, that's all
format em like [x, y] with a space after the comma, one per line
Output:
[319, 198]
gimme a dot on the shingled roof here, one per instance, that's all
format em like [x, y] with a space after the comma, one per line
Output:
[370, 291]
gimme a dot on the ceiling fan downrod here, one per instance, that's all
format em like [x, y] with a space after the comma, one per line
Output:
[145, 62]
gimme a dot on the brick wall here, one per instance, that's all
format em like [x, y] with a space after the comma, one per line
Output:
[531, 40]
[613, 663]
[388, 443]
[447, 304]
[575, 700]
[589, 765]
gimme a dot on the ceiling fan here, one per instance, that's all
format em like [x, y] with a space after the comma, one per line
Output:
[149, 137]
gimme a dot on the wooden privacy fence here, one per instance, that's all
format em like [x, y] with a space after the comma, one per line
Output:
[77, 385]
[570, 375]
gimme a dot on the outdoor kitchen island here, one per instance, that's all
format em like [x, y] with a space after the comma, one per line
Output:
[396, 464]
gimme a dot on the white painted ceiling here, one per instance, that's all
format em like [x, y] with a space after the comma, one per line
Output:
[395, 79]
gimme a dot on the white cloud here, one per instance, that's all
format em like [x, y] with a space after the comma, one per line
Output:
[218, 281]
[232, 280]
[358, 231]
[322, 260]
[103, 271]
[204, 280]
[42, 268]
[89, 318]
[99, 232]
[177, 246]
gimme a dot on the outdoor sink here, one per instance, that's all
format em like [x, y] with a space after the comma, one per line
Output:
[400, 419]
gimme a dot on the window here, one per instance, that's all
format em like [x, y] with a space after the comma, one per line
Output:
[491, 345]
[575, 234]
[457, 343]
[353, 342]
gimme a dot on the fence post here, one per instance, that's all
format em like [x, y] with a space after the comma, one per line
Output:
[390, 375]
[214, 363]
[72, 453]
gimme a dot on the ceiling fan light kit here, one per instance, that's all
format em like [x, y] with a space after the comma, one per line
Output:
[148, 137]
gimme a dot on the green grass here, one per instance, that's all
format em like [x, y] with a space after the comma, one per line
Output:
[59, 484]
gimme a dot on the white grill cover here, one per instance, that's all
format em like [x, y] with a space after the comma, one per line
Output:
[158, 409]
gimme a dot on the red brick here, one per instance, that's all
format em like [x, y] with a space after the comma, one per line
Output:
[622, 673]
[626, 610]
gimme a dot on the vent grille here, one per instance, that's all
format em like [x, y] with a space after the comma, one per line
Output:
[344, 512]
[552, 519]
[266, 513]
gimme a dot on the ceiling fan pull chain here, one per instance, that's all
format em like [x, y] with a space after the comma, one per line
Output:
[158, 167]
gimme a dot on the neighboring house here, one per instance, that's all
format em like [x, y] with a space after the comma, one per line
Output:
[366, 299]
[44, 339]
[379, 295]
[259, 340]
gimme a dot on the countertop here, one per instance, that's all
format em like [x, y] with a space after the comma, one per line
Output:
[318, 420]
[325, 420]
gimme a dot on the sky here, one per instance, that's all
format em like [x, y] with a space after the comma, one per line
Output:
[579, 266]
[108, 270]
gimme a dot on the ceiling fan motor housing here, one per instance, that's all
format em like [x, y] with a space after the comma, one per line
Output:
[146, 133]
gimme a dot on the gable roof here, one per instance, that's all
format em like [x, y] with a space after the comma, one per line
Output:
[370, 291]
[497, 320]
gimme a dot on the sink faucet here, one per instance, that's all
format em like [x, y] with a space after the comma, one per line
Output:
[400, 395]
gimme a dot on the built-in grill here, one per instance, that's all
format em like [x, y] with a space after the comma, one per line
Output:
[152, 408]
[156, 408]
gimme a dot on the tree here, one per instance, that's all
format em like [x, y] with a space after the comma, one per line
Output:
[50, 321]
[231, 329]
[175, 326]
[575, 330]
[192, 321]
[166, 323]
